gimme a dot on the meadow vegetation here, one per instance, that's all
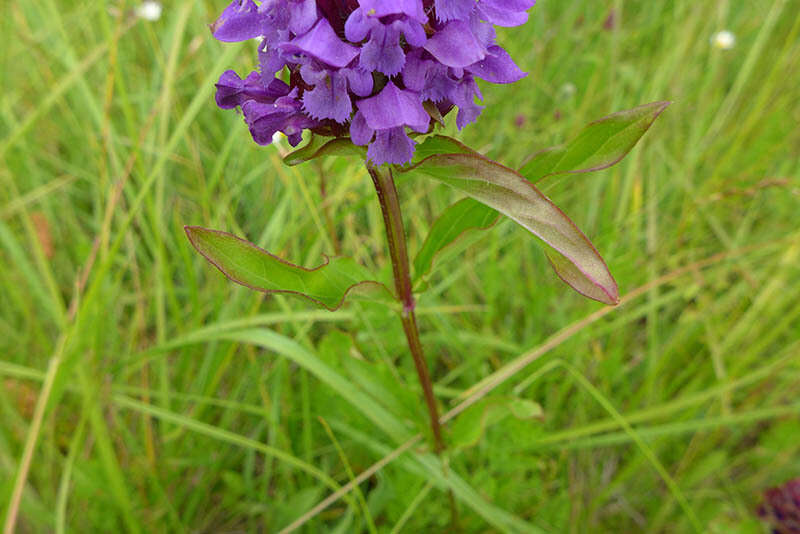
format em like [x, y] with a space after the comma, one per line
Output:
[143, 392]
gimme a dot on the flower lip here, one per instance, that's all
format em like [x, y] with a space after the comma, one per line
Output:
[394, 107]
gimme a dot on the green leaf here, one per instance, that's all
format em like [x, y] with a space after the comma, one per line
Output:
[504, 190]
[466, 214]
[469, 427]
[246, 264]
[318, 147]
[525, 409]
[600, 145]
[436, 145]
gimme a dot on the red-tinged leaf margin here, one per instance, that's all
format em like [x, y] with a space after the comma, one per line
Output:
[571, 275]
[462, 165]
[192, 234]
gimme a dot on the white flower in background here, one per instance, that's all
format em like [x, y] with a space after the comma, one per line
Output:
[567, 91]
[723, 40]
[149, 10]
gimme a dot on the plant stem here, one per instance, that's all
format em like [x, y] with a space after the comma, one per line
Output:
[393, 220]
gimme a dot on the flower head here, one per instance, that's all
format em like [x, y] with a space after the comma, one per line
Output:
[365, 67]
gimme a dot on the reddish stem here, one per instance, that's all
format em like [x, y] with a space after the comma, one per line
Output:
[393, 220]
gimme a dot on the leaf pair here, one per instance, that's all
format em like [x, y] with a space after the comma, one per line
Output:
[491, 188]
[494, 188]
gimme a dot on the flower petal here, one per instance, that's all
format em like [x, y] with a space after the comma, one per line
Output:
[360, 132]
[455, 45]
[358, 26]
[382, 52]
[391, 146]
[454, 9]
[360, 81]
[497, 67]
[322, 43]
[505, 12]
[302, 16]
[232, 91]
[283, 115]
[239, 22]
[392, 108]
[329, 99]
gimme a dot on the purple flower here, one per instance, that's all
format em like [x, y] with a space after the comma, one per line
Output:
[781, 508]
[381, 121]
[365, 67]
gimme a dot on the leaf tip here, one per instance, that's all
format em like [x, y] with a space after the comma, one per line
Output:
[612, 292]
[659, 107]
[191, 233]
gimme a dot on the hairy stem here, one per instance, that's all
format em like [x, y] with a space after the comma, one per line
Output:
[393, 220]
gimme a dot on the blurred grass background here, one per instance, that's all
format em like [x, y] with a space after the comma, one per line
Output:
[142, 392]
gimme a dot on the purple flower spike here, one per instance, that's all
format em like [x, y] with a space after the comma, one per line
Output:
[365, 66]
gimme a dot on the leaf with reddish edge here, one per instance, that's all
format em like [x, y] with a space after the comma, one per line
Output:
[246, 264]
[600, 145]
[506, 191]
[318, 147]
[571, 275]
[465, 215]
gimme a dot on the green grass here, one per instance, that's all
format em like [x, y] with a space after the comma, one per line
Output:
[142, 392]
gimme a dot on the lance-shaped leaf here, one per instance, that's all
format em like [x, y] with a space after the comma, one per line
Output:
[506, 191]
[600, 145]
[248, 265]
[318, 147]
[465, 215]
